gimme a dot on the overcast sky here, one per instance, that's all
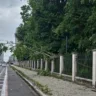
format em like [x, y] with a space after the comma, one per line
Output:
[9, 20]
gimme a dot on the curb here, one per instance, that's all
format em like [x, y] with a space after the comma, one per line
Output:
[35, 88]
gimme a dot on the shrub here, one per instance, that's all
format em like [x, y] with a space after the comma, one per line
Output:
[43, 72]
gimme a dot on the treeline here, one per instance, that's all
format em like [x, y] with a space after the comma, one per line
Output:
[51, 27]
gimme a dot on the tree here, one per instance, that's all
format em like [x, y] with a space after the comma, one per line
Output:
[49, 25]
[3, 48]
[73, 25]
[21, 52]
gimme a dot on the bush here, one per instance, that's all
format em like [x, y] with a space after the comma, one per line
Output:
[43, 72]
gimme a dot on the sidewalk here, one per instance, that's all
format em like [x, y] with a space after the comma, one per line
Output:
[59, 87]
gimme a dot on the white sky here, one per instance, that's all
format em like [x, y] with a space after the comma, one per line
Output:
[9, 20]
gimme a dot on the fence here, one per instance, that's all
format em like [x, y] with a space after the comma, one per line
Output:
[56, 64]
[84, 65]
[39, 64]
[78, 65]
[43, 65]
[49, 65]
[67, 64]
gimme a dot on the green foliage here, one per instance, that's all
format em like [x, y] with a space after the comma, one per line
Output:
[3, 48]
[43, 72]
[21, 52]
[47, 23]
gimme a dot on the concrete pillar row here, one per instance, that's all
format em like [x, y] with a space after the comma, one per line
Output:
[52, 66]
[37, 64]
[41, 64]
[61, 64]
[74, 66]
[46, 64]
[94, 69]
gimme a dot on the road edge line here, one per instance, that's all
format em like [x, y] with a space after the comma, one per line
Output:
[4, 88]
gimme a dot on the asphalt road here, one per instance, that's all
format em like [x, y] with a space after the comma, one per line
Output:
[0, 68]
[2, 74]
[18, 87]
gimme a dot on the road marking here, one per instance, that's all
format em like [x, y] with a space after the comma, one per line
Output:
[4, 91]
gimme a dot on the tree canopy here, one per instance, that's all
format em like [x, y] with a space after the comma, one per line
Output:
[47, 23]
[3, 48]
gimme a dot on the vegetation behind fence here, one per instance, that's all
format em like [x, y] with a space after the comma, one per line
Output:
[84, 65]
[68, 64]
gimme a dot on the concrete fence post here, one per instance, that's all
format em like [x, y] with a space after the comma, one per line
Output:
[29, 64]
[24, 64]
[41, 64]
[52, 66]
[94, 69]
[37, 64]
[20, 64]
[74, 66]
[61, 64]
[46, 64]
[32, 64]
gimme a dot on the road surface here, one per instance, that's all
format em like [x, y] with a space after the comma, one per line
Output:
[2, 75]
[18, 87]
